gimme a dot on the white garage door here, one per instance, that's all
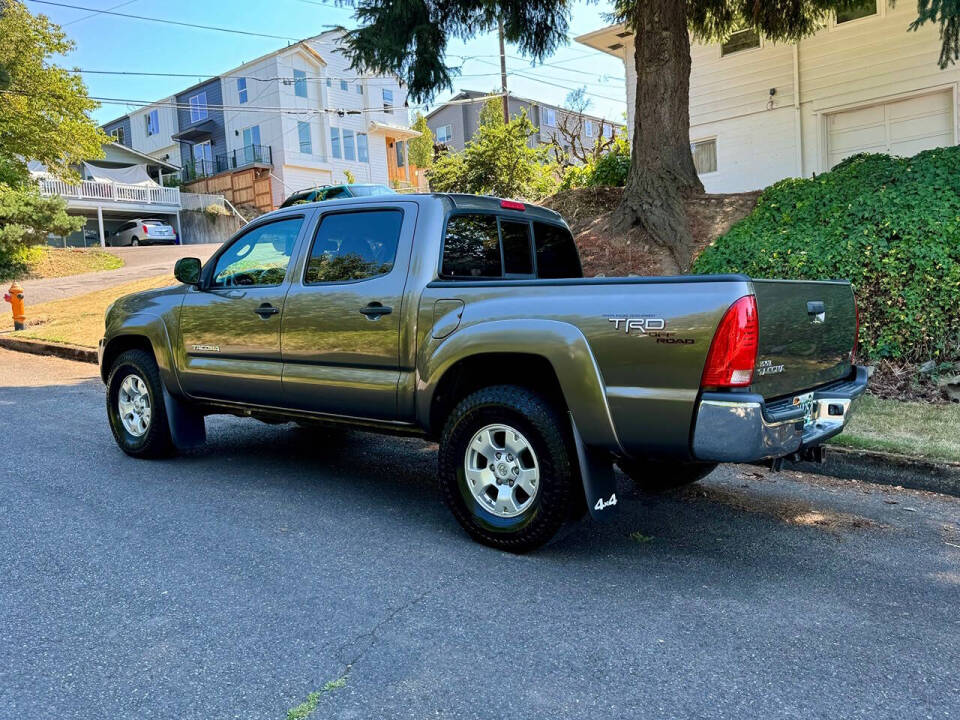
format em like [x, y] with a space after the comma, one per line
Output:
[904, 127]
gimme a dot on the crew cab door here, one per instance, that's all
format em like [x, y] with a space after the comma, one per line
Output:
[230, 328]
[342, 319]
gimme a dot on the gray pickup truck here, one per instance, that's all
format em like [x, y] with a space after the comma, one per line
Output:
[467, 320]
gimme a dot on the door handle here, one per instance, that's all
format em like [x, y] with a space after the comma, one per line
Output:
[374, 310]
[266, 310]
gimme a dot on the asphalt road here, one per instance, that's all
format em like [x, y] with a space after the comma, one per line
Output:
[235, 581]
[139, 263]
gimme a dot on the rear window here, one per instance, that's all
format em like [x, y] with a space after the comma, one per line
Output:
[557, 255]
[487, 247]
[154, 222]
[472, 248]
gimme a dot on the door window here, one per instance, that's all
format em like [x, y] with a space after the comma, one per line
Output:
[354, 246]
[259, 257]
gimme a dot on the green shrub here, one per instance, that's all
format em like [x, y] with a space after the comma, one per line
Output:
[609, 170]
[889, 225]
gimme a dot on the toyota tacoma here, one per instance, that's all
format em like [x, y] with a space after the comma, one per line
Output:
[467, 320]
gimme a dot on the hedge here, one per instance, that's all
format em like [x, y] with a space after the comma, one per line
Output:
[890, 225]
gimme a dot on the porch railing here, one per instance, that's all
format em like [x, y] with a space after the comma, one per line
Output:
[239, 158]
[110, 192]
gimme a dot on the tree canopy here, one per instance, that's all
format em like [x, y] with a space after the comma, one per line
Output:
[43, 108]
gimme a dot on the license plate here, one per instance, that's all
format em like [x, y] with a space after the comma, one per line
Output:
[806, 402]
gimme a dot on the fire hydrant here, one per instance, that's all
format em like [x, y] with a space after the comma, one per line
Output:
[14, 296]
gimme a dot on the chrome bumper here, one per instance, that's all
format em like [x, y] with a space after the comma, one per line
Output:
[744, 428]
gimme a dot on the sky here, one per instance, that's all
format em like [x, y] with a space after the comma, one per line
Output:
[107, 42]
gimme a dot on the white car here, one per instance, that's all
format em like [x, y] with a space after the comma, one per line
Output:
[143, 231]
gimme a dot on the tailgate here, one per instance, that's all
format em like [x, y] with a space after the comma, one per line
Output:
[807, 333]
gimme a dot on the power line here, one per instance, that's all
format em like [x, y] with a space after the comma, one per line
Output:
[98, 12]
[168, 22]
[246, 107]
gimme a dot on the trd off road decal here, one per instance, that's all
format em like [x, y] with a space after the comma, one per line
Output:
[653, 327]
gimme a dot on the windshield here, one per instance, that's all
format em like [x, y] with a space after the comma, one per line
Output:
[367, 190]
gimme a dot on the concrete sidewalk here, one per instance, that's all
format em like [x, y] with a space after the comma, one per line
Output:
[139, 263]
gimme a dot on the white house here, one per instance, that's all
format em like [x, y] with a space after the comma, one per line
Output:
[762, 111]
[289, 120]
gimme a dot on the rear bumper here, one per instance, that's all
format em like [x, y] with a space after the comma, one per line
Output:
[745, 428]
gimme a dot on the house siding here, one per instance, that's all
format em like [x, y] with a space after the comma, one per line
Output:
[763, 138]
[124, 123]
[214, 90]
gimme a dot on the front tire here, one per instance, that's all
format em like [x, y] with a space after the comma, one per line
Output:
[505, 468]
[135, 407]
[651, 476]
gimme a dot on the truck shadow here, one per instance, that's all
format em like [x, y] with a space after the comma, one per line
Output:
[386, 471]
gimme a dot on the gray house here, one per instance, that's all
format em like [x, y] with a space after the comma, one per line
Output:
[455, 122]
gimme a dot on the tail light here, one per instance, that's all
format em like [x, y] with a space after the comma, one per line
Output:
[856, 331]
[145, 231]
[733, 352]
[512, 205]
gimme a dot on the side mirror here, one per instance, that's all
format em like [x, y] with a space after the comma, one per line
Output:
[187, 271]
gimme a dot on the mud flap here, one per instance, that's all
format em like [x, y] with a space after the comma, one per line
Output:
[599, 483]
[187, 427]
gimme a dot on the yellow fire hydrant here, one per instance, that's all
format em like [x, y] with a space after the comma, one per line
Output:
[14, 296]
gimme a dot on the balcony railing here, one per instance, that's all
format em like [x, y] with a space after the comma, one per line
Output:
[239, 158]
[110, 192]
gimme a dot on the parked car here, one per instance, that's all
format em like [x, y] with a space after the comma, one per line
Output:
[466, 320]
[334, 192]
[143, 231]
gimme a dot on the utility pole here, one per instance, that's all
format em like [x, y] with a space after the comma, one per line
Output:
[503, 74]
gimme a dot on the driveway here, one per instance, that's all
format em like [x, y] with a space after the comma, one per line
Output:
[276, 562]
[140, 262]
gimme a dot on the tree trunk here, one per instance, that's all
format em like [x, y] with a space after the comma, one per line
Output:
[662, 174]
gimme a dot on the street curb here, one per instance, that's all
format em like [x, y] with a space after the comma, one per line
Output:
[886, 469]
[39, 347]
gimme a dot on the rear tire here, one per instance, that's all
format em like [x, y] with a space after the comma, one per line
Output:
[135, 406]
[505, 468]
[651, 476]
[135, 243]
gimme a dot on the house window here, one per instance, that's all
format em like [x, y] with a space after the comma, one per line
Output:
[335, 143]
[329, 82]
[300, 83]
[344, 86]
[153, 123]
[359, 88]
[117, 133]
[387, 100]
[704, 155]
[588, 128]
[242, 90]
[303, 132]
[862, 9]
[348, 153]
[549, 117]
[401, 161]
[739, 41]
[198, 107]
[363, 151]
[445, 133]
